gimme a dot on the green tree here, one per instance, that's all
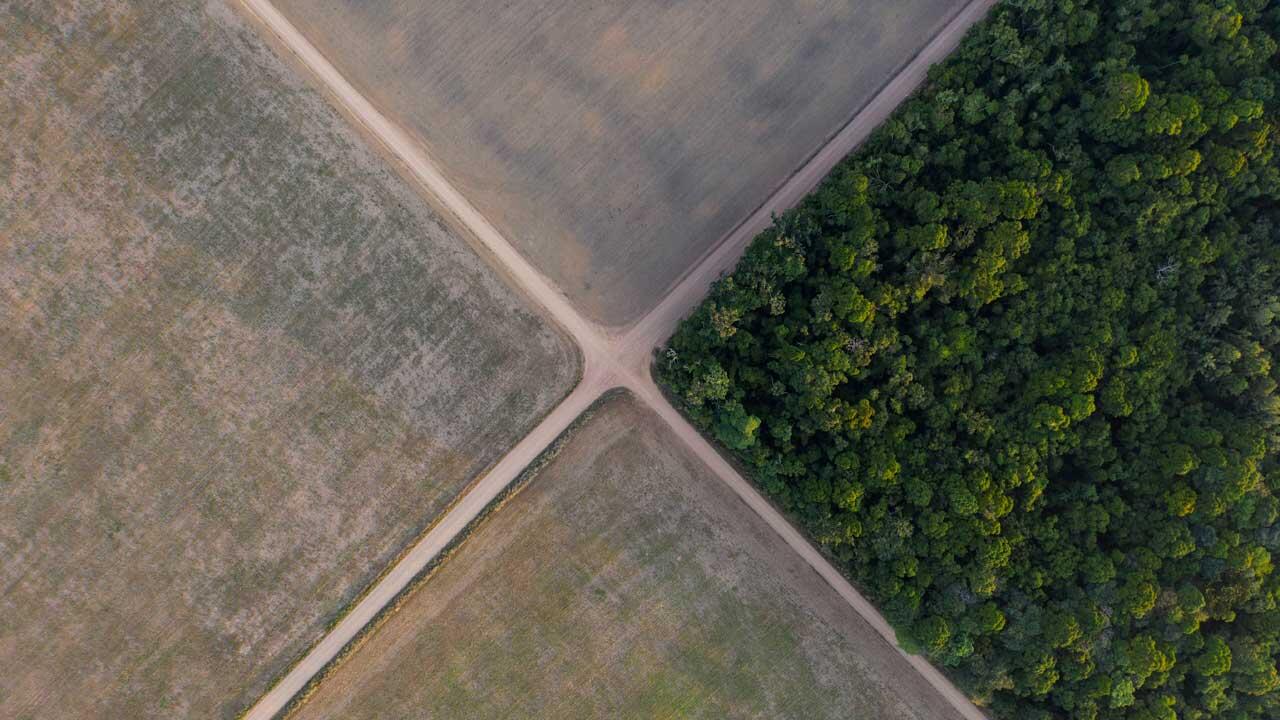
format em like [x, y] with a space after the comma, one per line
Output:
[1014, 362]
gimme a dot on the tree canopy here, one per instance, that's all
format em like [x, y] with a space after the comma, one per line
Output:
[1013, 363]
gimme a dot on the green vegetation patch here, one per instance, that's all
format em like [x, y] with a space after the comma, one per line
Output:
[1013, 364]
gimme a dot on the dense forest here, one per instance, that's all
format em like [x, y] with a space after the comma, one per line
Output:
[1014, 363]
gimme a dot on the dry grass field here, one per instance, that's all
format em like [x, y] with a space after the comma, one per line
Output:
[625, 581]
[242, 364]
[615, 142]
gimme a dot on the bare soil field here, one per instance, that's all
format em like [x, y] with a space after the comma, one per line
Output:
[615, 142]
[242, 364]
[625, 581]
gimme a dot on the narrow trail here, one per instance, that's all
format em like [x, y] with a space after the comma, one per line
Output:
[611, 357]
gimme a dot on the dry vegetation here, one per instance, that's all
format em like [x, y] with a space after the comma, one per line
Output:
[241, 364]
[615, 142]
[624, 582]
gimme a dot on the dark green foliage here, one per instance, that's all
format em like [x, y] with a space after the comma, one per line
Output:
[1013, 364]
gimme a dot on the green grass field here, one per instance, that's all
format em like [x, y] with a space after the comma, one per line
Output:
[242, 364]
[615, 142]
[625, 581]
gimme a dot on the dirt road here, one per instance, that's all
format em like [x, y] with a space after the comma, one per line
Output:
[609, 359]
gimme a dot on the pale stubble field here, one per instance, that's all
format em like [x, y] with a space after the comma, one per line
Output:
[615, 142]
[242, 364]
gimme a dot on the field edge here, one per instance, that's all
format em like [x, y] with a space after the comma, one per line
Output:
[526, 476]
[630, 323]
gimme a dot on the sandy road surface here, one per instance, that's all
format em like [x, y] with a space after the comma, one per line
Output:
[609, 359]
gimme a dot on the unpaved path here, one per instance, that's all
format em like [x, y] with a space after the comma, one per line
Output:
[610, 359]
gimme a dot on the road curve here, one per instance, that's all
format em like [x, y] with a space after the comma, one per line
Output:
[610, 358]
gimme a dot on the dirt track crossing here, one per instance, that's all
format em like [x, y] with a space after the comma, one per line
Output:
[610, 359]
